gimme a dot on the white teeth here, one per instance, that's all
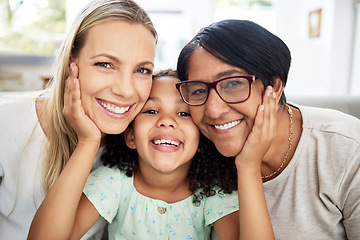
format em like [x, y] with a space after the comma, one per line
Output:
[227, 125]
[166, 142]
[113, 108]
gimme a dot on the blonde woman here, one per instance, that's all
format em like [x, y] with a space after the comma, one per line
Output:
[111, 46]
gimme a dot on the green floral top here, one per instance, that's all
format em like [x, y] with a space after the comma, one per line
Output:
[134, 216]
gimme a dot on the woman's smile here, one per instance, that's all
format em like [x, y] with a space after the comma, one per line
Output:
[228, 125]
[113, 108]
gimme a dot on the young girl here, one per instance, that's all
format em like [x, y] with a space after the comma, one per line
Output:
[113, 43]
[147, 193]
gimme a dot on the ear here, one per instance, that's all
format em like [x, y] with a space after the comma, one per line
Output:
[278, 88]
[130, 137]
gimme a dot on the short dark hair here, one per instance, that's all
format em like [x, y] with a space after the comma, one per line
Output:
[243, 44]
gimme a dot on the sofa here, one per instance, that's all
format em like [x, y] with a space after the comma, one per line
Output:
[346, 104]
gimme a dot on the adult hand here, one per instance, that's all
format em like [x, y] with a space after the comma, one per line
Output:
[261, 135]
[73, 110]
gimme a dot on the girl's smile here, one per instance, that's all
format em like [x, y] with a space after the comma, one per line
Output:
[163, 133]
[166, 143]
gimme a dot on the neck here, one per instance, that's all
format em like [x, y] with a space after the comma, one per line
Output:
[166, 186]
[274, 157]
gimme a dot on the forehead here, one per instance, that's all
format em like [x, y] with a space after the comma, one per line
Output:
[205, 67]
[163, 90]
[165, 84]
[120, 38]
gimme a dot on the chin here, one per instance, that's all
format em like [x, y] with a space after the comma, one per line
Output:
[165, 169]
[112, 130]
[228, 150]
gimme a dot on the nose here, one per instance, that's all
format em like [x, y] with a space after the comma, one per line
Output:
[167, 122]
[215, 107]
[123, 85]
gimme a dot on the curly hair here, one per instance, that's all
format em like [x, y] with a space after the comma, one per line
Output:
[209, 169]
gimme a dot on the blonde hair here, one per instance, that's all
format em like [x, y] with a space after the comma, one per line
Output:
[62, 137]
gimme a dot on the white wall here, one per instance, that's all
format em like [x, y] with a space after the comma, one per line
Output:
[355, 73]
[320, 66]
[176, 23]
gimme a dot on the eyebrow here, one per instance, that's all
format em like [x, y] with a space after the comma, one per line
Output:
[229, 72]
[152, 99]
[145, 63]
[155, 99]
[106, 55]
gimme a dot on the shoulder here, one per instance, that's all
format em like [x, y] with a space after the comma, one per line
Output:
[106, 179]
[12, 105]
[219, 206]
[222, 198]
[18, 114]
[329, 121]
[330, 142]
[103, 188]
[106, 174]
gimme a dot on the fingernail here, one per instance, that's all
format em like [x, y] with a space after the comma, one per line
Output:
[71, 67]
[268, 91]
[274, 95]
[262, 107]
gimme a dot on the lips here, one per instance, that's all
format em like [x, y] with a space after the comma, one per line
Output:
[228, 125]
[113, 108]
[166, 143]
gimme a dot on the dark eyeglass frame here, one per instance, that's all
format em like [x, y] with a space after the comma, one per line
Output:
[213, 85]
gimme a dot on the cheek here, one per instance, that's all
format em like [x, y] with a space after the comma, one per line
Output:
[193, 136]
[196, 136]
[87, 82]
[139, 135]
[143, 89]
[197, 114]
[88, 88]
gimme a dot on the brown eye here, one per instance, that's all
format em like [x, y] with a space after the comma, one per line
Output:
[184, 114]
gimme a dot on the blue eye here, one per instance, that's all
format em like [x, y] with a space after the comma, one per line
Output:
[103, 64]
[144, 71]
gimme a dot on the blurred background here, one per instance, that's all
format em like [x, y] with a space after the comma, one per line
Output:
[323, 37]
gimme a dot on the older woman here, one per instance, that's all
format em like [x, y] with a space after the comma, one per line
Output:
[311, 171]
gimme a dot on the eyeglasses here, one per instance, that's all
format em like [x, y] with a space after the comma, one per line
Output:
[235, 89]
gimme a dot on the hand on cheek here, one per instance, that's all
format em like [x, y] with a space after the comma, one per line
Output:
[261, 135]
[73, 109]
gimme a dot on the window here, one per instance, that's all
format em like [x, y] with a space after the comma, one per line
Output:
[259, 11]
[31, 27]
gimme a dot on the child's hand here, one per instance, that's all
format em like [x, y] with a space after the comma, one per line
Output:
[74, 111]
[261, 135]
